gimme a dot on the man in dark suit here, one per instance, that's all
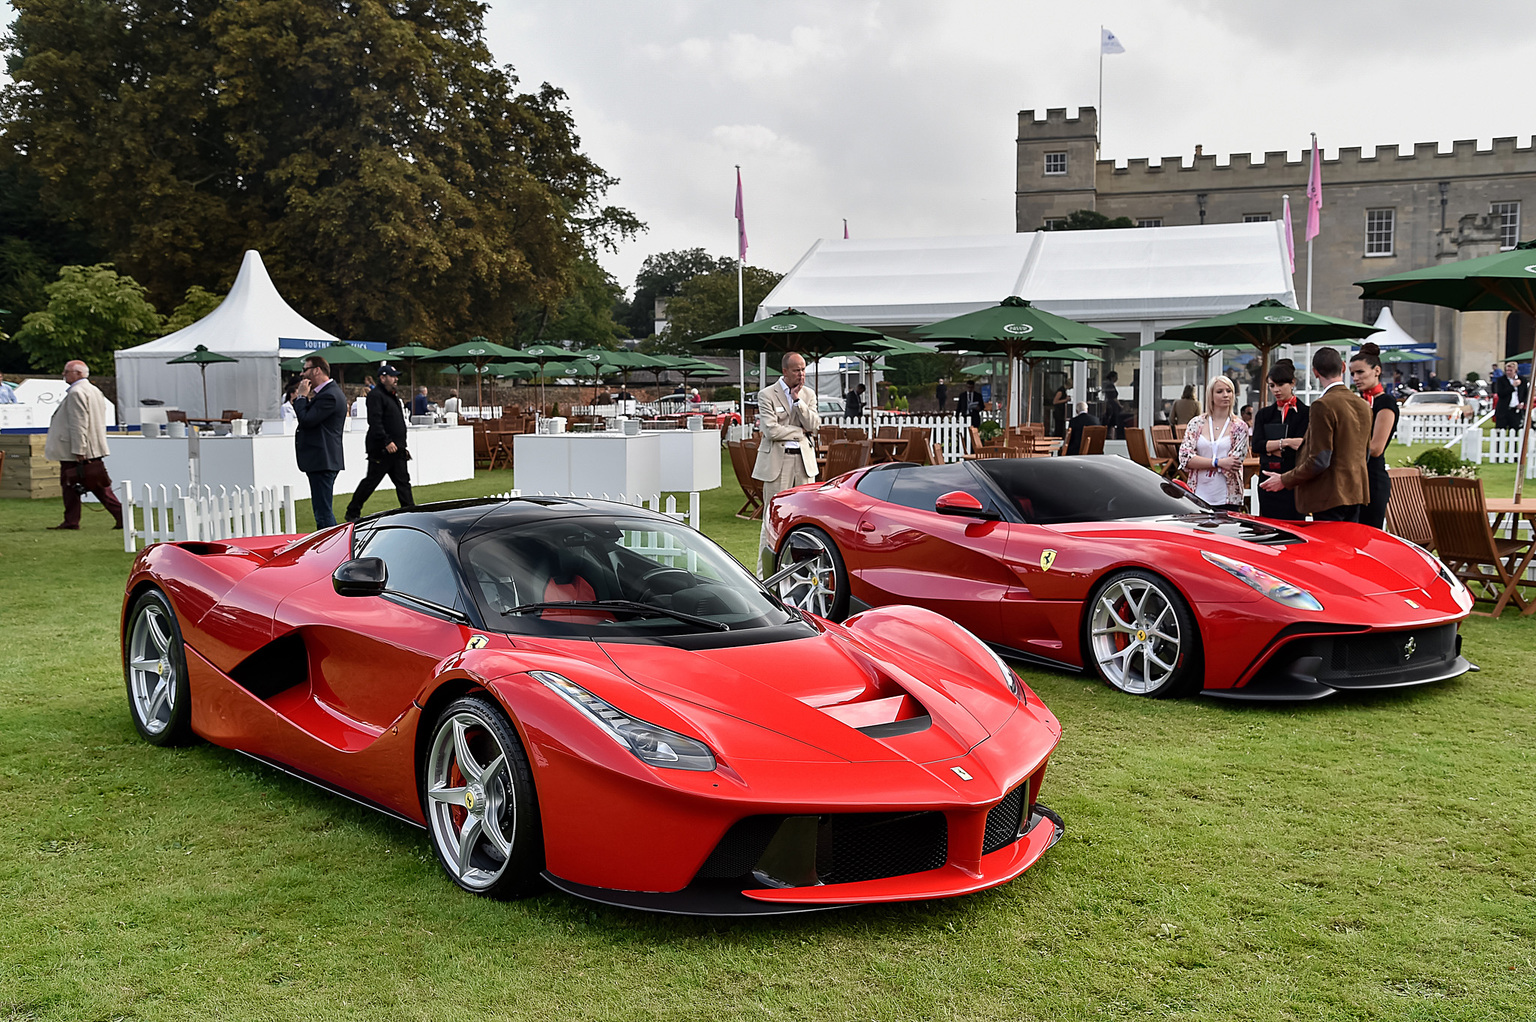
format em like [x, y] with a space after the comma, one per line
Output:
[385, 445]
[1330, 477]
[1512, 393]
[971, 404]
[1081, 421]
[321, 409]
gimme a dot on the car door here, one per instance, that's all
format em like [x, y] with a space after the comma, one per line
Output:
[908, 553]
[370, 655]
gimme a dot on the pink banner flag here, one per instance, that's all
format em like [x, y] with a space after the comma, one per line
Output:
[845, 228]
[741, 221]
[1290, 234]
[1314, 193]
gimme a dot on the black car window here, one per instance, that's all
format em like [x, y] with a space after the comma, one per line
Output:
[877, 483]
[417, 566]
[1051, 491]
[919, 486]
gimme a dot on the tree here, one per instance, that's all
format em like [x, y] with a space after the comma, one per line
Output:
[662, 276]
[707, 304]
[1092, 220]
[395, 182]
[197, 304]
[584, 317]
[92, 312]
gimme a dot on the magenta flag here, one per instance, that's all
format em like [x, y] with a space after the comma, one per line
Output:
[741, 221]
[845, 228]
[1290, 234]
[1314, 193]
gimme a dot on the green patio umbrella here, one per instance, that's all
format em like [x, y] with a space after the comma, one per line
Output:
[476, 351]
[1013, 327]
[789, 330]
[871, 350]
[1503, 282]
[1204, 352]
[1266, 326]
[201, 357]
[410, 355]
[1389, 355]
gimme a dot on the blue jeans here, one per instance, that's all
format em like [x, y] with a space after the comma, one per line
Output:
[321, 487]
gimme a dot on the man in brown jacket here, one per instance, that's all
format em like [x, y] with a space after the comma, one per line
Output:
[77, 440]
[1330, 475]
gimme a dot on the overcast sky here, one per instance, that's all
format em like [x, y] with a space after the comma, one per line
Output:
[901, 114]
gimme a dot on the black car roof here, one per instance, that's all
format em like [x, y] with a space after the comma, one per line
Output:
[455, 520]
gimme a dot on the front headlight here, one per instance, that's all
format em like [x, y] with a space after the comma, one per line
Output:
[1261, 581]
[655, 746]
[1008, 676]
[1438, 565]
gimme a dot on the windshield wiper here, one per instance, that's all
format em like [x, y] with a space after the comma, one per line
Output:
[631, 606]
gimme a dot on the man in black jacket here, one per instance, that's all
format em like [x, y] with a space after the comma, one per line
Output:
[1081, 421]
[321, 409]
[1512, 392]
[385, 445]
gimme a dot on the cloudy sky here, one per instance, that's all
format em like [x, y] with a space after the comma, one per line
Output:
[900, 115]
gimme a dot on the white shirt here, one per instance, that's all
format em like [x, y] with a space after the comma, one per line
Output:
[790, 399]
[1211, 484]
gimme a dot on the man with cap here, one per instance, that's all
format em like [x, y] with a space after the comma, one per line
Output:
[385, 444]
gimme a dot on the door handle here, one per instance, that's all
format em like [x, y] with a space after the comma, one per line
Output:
[866, 526]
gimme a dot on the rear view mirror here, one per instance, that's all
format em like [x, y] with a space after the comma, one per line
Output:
[963, 505]
[363, 576]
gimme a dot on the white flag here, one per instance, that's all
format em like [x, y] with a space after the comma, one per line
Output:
[1108, 43]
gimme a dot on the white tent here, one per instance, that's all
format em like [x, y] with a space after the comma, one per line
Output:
[1133, 281]
[1392, 335]
[245, 326]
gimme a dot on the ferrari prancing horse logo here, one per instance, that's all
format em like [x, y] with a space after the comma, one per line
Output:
[1047, 558]
[477, 642]
[960, 773]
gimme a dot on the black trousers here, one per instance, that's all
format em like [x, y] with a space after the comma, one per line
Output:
[1342, 513]
[380, 465]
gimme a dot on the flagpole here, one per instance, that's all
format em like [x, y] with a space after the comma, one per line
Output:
[1098, 121]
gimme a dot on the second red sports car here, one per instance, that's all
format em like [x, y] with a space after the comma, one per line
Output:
[1097, 563]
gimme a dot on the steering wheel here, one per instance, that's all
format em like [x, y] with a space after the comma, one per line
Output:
[665, 581]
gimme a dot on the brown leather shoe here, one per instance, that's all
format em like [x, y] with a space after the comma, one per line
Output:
[63, 525]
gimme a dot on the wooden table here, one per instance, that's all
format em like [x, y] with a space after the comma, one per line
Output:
[1506, 510]
[885, 448]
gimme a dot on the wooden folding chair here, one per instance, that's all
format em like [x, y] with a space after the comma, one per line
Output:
[845, 456]
[743, 458]
[1136, 447]
[1493, 569]
[1406, 516]
[1093, 439]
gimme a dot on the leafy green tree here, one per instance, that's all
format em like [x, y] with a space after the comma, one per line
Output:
[707, 304]
[584, 317]
[663, 275]
[1092, 220]
[92, 312]
[197, 304]
[395, 182]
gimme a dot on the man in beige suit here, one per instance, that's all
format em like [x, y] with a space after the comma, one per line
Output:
[786, 452]
[77, 440]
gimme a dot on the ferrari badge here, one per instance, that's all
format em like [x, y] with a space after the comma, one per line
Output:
[477, 642]
[960, 773]
[1047, 558]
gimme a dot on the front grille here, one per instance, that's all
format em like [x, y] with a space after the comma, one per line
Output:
[1005, 820]
[871, 846]
[1391, 652]
[738, 852]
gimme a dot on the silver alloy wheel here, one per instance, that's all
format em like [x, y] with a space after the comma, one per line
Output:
[471, 801]
[812, 586]
[152, 669]
[1135, 635]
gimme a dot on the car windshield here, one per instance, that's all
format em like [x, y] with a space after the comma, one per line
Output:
[1052, 491]
[613, 577]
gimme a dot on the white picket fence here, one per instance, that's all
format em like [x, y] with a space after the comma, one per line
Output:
[688, 516]
[1435, 429]
[950, 432]
[169, 514]
[1498, 446]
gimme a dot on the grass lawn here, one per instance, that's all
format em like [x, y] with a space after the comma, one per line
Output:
[1358, 858]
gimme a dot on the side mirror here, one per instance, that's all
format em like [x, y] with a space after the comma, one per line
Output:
[364, 576]
[963, 505]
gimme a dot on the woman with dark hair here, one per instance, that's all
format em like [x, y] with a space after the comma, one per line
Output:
[1365, 370]
[1278, 430]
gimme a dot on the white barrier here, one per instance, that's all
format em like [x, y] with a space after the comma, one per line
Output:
[202, 515]
[1435, 429]
[689, 516]
[1498, 446]
[951, 432]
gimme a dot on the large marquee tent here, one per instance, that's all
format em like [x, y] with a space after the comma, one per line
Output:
[246, 327]
[1133, 281]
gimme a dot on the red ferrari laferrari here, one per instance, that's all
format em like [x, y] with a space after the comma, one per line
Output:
[600, 696]
[1095, 562]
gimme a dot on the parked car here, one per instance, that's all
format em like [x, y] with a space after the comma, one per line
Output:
[602, 697]
[1450, 403]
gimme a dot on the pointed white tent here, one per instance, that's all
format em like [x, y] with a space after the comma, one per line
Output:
[1392, 335]
[245, 326]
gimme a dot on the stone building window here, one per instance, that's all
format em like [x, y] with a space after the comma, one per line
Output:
[1054, 223]
[1055, 163]
[1150, 221]
[1370, 308]
[1378, 231]
[1255, 218]
[1509, 223]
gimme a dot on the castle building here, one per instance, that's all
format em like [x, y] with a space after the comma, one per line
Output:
[1383, 213]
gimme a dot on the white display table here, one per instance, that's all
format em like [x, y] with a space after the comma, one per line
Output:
[582, 463]
[439, 454]
[690, 459]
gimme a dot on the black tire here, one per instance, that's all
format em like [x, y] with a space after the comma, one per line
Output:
[484, 820]
[822, 588]
[1140, 636]
[155, 671]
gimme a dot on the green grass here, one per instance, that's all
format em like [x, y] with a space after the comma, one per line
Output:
[1359, 858]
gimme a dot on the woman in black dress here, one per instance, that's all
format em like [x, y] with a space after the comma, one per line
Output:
[1365, 370]
[1277, 433]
